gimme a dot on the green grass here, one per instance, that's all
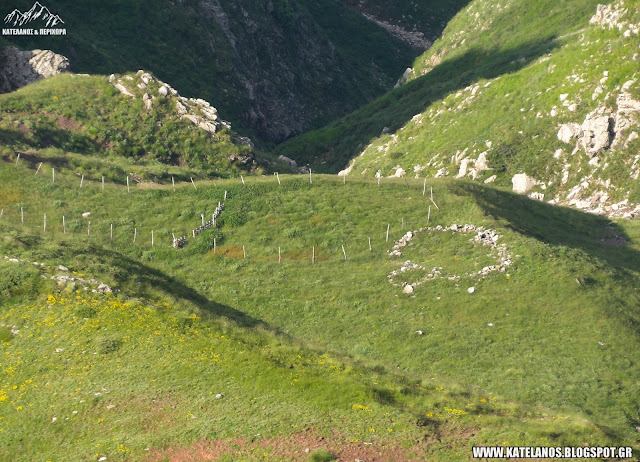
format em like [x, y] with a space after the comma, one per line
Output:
[538, 376]
[84, 124]
[494, 76]
[310, 63]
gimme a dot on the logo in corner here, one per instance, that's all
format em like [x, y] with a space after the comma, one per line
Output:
[38, 12]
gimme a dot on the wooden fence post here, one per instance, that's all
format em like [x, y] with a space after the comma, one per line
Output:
[64, 225]
[22, 215]
[45, 222]
[111, 234]
[278, 177]
[38, 169]
[388, 232]
[173, 183]
[345, 253]
[193, 183]
[81, 181]
[128, 189]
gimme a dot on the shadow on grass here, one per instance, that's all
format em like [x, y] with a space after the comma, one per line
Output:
[330, 148]
[129, 271]
[558, 226]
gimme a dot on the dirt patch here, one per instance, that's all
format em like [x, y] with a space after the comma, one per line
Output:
[66, 123]
[612, 239]
[296, 447]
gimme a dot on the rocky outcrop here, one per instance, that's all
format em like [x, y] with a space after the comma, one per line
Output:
[414, 38]
[20, 68]
[603, 128]
[612, 17]
[197, 111]
[522, 183]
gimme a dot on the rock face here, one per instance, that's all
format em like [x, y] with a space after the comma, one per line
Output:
[20, 68]
[596, 134]
[603, 128]
[198, 111]
[522, 183]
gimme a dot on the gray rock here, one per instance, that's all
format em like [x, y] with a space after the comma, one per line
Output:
[122, 89]
[408, 289]
[522, 183]
[21, 68]
[163, 90]
[596, 134]
[63, 268]
[286, 160]
[147, 101]
[568, 132]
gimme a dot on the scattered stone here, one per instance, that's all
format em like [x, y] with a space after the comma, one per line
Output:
[522, 183]
[86, 215]
[407, 289]
[471, 290]
[63, 268]
[400, 172]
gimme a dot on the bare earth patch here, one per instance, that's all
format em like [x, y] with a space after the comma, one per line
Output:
[296, 447]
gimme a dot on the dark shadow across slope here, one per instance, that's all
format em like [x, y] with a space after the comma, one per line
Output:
[329, 149]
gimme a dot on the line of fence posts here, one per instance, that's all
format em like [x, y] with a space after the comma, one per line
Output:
[213, 217]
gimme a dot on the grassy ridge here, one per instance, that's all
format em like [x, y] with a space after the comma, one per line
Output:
[86, 125]
[565, 292]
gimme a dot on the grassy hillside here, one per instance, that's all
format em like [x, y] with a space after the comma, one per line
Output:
[540, 353]
[86, 125]
[273, 68]
[502, 83]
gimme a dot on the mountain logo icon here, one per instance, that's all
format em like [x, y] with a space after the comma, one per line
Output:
[37, 11]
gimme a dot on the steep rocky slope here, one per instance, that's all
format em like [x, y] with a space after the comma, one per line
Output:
[545, 102]
[273, 67]
[417, 23]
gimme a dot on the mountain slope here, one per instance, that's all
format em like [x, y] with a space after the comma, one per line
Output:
[491, 97]
[98, 126]
[273, 67]
[419, 24]
[538, 354]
